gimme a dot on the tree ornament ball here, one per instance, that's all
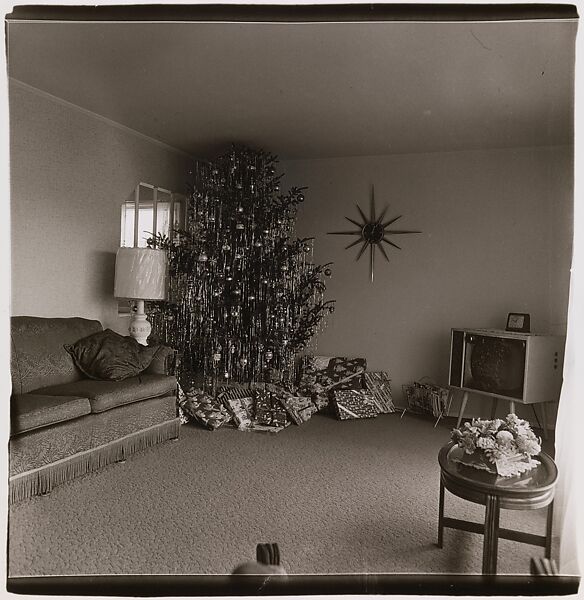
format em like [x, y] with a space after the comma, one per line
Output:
[300, 197]
[306, 247]
[328, 272]
[269, 355]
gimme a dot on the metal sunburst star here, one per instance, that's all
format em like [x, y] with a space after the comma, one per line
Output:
[373, 232]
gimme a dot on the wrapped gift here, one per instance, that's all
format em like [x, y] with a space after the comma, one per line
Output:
[274, 417]
[305, 413]
[262, 401]
[269, 428]
[320, 402]
[205, 409]
[355, 404]
[268, 410]
[299, 408]
[241, 410]
[379, 384]
[234, 391]
[321, 374]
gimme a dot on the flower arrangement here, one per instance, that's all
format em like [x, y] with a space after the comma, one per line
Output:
[502, 446]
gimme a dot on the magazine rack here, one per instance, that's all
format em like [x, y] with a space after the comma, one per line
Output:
[425, 397]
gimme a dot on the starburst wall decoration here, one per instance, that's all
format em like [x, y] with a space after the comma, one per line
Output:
[373, 232]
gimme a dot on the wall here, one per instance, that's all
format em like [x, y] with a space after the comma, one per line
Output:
[70, 172]
[497, 230]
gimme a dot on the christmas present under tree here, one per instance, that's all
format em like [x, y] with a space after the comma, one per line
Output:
[245, 298]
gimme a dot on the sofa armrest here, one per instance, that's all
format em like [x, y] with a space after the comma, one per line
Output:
[163, 363]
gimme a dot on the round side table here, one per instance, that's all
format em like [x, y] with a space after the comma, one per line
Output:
[529, 491]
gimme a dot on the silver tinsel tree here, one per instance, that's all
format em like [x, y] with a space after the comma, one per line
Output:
[244, 297]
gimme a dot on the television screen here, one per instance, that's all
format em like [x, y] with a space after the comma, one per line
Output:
[495, 365]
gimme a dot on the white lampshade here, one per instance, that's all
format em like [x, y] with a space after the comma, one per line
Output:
[140, 274]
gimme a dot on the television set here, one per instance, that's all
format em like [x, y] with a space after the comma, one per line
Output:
[518, 367]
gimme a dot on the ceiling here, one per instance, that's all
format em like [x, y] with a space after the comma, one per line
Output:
[312, 90]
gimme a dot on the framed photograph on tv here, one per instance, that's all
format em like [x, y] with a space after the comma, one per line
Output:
[518, 322]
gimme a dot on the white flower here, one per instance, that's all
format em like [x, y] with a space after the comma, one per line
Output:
[486, 443]
[504, 437]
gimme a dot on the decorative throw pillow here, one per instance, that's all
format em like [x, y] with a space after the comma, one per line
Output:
[205, 409]
[110, 356]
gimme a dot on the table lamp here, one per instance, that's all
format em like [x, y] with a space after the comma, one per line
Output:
[140, 275]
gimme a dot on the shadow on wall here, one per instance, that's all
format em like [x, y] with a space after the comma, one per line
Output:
[102, 287]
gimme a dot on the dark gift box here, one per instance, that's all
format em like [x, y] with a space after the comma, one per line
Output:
[268, 410]
[262, 401]
[276, 418]
[355, 404]
[321, 374]
[207, 410]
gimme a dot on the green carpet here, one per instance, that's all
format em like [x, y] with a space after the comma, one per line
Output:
[337, 497]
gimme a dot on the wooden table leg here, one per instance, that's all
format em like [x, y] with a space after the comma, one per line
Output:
[548, 530]
[491, 541]
[544, 421]
[462, 407]
[441, 516]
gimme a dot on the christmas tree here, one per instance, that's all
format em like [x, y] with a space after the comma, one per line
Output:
[244, 295]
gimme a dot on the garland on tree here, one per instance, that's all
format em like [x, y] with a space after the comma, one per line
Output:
[244, 296]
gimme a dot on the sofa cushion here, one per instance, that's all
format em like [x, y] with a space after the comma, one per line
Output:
[37, 353]
[104, 395]
[111, 356]
[31, 411]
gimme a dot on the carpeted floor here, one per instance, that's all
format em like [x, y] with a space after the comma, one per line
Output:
[337, 497]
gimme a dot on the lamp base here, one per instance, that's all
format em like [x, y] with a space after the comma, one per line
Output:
[140, 328]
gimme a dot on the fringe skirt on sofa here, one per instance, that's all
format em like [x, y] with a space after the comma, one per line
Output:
[43, 479]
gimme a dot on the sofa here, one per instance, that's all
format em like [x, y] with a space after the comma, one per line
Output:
[64, 424]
